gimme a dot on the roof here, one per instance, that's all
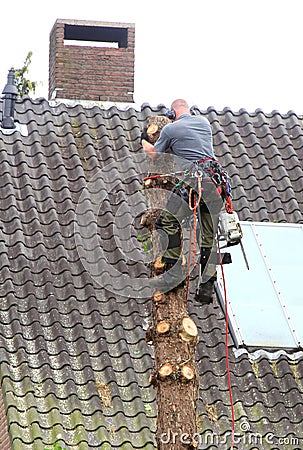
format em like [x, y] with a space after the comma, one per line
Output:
[74, 362]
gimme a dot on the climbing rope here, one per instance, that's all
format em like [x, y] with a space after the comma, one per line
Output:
[194, 201]
[227, 355]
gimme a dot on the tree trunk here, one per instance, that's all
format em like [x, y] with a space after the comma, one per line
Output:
[174, 335]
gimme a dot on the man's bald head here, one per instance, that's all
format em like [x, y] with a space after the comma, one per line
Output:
[180, 107]
[179, 103]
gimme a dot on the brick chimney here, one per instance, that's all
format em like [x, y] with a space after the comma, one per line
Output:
[91, 60]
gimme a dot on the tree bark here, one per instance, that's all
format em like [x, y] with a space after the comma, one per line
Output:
[174, 335]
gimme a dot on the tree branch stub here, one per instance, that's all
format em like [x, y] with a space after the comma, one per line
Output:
[158, 264]
[187, 372]
[188, 330]
[158, 297]
[163, 327]
[165, 370]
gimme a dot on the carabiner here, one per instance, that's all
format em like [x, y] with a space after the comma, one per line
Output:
[198, 173]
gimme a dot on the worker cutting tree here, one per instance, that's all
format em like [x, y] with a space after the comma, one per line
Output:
[204, 189]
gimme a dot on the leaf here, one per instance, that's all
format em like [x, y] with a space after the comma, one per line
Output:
[147, 407]
[24, 85]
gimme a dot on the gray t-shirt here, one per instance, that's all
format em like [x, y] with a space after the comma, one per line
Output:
[190, 137]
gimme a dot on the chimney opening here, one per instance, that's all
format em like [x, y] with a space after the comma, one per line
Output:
[114, 37]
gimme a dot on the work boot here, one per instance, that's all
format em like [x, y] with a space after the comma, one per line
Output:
[172, 278]
[205, 292]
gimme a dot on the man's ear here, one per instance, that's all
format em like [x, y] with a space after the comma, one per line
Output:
[171, 114]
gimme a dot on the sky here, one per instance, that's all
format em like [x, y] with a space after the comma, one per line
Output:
[220, 53]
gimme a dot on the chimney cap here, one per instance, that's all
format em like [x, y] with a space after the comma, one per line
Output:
[10, 87]
[95, 23]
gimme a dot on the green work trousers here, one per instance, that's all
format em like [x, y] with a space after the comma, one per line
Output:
[177, 209]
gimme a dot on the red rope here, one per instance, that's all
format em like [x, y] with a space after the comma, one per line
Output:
[191, 254]
[195, 234]
[227, 357]
[193, 203]
[188, 264]
[192, 241]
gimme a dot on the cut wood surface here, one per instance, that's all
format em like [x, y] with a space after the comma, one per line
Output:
[189, 330]
[187, 372]
[147, 182]
[154, 127]
[163, 327]
[158, 296]
[165, 370]
[158, 264]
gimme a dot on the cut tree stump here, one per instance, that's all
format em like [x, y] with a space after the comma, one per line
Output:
[158, 265]
[154, 127]
[165, 370]
[187, 372]
[173, 333]
[163, 327]
[189, 331]
[158, 297]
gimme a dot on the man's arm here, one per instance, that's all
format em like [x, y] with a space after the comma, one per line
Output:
[149, 149]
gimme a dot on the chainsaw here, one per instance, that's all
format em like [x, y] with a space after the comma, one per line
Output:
[230, 230]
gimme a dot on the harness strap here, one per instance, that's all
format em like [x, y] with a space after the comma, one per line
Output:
[220, 178]
[192, 199]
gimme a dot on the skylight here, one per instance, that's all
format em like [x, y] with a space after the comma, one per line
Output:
[265, 303]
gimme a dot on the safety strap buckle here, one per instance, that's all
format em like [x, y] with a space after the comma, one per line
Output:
[198, 173]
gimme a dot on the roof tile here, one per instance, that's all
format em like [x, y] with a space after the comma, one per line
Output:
[62, 332]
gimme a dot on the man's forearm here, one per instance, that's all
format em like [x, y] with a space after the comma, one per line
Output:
[149, 149]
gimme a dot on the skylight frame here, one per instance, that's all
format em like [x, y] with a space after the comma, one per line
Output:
[258, 241]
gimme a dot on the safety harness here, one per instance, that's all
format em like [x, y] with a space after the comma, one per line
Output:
[190, 188]
[219, 177]
[213, 171]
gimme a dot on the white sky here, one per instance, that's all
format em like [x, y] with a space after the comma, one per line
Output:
[235, 53]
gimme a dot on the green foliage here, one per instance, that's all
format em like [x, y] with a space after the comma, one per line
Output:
[24, 85]
[146, 241]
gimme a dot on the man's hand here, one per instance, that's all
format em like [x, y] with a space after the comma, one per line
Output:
[149, 149]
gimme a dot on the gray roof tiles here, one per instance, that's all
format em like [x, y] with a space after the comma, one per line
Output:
[74, 362]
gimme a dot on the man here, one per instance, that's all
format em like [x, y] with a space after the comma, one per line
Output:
[190, 139]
